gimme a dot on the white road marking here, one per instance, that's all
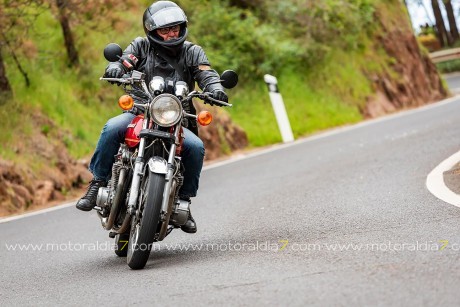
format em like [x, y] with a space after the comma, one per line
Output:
[435, 181]
[273, 148]
[24, 215]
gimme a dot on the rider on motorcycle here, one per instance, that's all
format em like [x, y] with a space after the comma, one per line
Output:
[166, 53]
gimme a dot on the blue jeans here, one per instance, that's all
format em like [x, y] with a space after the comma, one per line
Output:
[113, 134]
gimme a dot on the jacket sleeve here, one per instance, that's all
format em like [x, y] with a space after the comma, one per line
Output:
[208, 80]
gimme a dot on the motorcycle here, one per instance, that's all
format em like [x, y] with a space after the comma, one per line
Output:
[140, 204]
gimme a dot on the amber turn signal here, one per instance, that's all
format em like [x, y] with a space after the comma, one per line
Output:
[204, 118]
[126, 102]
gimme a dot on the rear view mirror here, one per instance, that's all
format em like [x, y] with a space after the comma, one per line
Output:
[112, 52]
[229, 79]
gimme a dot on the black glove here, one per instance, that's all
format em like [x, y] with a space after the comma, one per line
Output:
[113, 72]
[219, 95]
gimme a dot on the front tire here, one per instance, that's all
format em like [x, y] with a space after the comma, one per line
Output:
[143, 230]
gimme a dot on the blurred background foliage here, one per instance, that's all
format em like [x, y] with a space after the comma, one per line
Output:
[52, 55]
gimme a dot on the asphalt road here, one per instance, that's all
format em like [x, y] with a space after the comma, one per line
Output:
[340, 219]
[453, 81]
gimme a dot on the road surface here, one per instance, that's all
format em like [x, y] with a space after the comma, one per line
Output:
[342, 218]
[453, 82]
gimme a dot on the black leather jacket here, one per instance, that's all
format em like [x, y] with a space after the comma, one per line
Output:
[190, 58]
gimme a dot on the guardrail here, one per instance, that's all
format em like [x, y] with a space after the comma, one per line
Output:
[445, 55]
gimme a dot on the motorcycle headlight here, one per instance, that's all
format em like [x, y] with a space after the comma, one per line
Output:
[166, 110]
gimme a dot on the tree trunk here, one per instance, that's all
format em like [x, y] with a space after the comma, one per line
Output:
[5, 87]
[440, 27]
[68, 37]
[452, 22]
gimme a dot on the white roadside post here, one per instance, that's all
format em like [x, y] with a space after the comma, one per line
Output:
[278, 107]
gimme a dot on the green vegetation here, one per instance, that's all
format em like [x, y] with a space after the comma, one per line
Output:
[449, 66]
[319, 50]
[308, 109]
[74, 99]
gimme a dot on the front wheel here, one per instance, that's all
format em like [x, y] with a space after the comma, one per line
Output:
[143, 229]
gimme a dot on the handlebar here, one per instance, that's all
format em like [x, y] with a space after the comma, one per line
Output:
[119, 80]
[206, 97]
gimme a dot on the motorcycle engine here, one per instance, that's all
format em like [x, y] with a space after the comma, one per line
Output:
[181, 212]
[102, 196]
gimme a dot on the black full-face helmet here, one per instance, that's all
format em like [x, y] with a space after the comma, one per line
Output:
[162, 14]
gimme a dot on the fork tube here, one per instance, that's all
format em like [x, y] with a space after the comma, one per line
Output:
[138, 170]
[171, 170]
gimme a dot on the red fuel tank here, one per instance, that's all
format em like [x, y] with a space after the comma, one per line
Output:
[132, 133]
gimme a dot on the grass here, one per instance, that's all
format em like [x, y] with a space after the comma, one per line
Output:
[331, 96]
[74, 99]
[62, 103]
[308, 110]
[252, 111]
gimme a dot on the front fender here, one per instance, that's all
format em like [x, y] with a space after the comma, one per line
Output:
[158, 165]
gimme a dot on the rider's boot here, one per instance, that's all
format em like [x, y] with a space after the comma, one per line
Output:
[88, 201]
[190, 225]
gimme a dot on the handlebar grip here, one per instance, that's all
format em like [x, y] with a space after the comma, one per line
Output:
[222, 103]
[207, 98]
[119, 80]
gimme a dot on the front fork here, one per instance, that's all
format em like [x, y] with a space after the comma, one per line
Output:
[170, 171]
[139, 171]
[137, 177]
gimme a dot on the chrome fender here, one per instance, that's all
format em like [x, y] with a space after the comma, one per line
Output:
[158, 165]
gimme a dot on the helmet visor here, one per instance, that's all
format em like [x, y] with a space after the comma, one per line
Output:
[165, 17]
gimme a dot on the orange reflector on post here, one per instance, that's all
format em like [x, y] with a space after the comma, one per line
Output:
[204, 118]
[126, 102]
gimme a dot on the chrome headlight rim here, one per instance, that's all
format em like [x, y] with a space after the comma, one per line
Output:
[175, 106]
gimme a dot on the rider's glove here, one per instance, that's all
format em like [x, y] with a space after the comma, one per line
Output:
[219, 95]
[113, 71]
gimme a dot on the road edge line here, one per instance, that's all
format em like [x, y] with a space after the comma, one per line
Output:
[37, 212]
